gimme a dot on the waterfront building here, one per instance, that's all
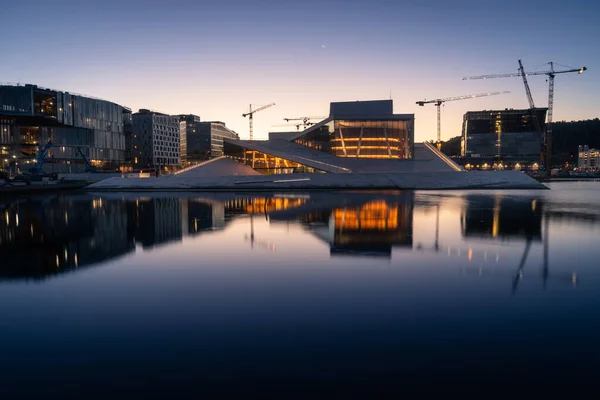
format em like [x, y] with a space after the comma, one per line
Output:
[156, 139]
[203, 140]
[357, 136]
[215, 132]
[589, 159]
[30, 116]
[501, 139]
[190, 121]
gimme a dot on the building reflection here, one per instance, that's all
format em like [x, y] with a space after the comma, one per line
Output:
[252, 205]
[199, 216]
[496, 217]
[504, 218]
[157, 221]
[365, 225]
[49, 236]
[41, 238]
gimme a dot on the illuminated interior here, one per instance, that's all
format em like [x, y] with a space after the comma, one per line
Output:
[265, 163]
[362, 139]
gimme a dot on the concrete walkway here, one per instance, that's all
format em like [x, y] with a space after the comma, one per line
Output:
[357, 181]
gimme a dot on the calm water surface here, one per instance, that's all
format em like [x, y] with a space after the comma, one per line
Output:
[346, 293]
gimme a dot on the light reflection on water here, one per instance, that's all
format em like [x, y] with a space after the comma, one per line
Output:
[368, 285]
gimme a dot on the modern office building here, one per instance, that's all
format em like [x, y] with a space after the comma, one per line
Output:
[190, 121]
[589, 159]
[128, 129]
[203, 140]
[216, 131]
[502, 139]
[30, 116]
[156, 139]
[357, 136]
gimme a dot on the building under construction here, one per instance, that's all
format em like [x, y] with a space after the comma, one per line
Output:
[501, 139]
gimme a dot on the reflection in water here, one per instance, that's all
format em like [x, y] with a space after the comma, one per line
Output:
[502, 217]
[361, 225]
[202, 287]
[45, 237]
[39, 238]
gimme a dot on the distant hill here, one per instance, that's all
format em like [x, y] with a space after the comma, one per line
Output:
[566, 137]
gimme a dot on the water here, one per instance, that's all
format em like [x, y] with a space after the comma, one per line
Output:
[303, 293]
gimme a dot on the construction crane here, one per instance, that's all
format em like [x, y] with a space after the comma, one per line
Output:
[37, 171]
[551, 74]
[303, 121]
[251, 113]
[88, 165]
[297, 125]
[532, 111]
[439, 102]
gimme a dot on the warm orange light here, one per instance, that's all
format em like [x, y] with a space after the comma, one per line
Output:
[383, 139]
[366, 147]
[376, 215]
[266, 205]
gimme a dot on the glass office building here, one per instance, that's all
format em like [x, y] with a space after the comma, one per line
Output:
[203, 140]
[30, 116]
[501, 138]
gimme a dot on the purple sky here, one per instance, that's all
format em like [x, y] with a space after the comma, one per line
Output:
[213, 58]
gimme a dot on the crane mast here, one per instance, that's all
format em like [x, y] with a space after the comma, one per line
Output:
[439, 102]
[547, 140]
[532, 112]
[250, 115]
[527, 90]
[549, 123]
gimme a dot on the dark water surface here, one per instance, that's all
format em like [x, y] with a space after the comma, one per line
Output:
[350, 293]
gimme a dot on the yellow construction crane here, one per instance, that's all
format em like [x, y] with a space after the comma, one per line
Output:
[439, 102]
[251, 113]
[551, 73]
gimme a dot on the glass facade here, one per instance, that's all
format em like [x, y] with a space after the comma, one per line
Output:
[31, 116]
[265, 163]
[362, 138]
[218, 131]
[204, 140]
[508, 135]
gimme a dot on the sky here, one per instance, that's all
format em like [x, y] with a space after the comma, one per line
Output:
[214, 58]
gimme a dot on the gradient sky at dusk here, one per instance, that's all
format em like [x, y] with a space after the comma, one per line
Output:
[213, 58]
